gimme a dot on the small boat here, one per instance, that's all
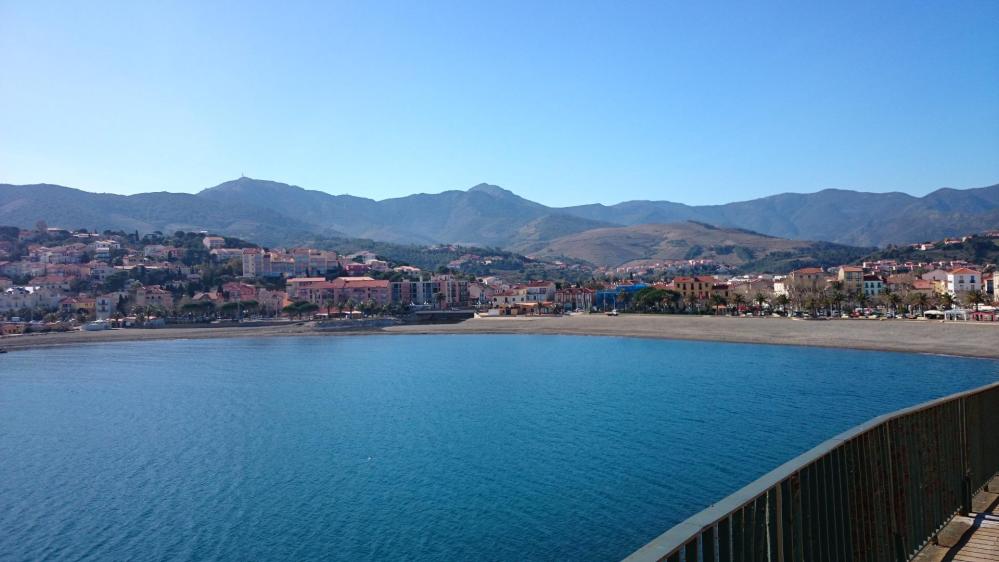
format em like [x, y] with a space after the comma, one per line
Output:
[3, 351]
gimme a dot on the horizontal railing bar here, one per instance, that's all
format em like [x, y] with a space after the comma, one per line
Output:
[674, 539]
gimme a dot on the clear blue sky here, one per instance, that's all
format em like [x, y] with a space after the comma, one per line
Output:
[563, 103]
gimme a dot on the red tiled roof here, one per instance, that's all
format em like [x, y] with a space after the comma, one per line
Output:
[359, 282]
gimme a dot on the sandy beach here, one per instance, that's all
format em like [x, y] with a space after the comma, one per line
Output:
[970, 339]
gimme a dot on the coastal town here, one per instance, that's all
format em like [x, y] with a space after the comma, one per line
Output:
[54, 279]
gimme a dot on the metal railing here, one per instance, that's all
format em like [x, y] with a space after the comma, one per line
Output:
[877, 492]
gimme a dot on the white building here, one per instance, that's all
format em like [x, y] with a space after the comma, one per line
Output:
[780, 285]
[213, 242]
[105, 305]
[873, 285]
[16, 298]
[963, 280]
[537, 291]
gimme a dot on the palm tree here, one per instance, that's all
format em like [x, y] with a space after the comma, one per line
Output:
[739, 299]
[919, 300]
[308, 308]
[249, 307]
[760, 299]
[782, 301]
[690, 303]
[230, 309]
[718, 301]
[862, 299]
[946, 300]
[672, 299]
[813, 302]
[837, 299]
[975, 298]
[893, 299]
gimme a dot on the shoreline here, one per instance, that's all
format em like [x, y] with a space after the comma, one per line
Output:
[961, 339]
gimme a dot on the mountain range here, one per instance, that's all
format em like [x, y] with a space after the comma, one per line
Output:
[274, 213]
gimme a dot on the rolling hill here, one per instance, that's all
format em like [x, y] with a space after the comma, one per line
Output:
[650, 243]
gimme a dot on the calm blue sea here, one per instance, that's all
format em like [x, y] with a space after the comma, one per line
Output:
[412, 448]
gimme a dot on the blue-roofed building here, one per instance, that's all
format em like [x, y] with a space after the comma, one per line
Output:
[610, 298]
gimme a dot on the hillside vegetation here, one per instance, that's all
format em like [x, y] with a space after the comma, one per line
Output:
[738, 248]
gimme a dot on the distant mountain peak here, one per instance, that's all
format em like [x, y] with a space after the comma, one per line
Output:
[243, 184]
[491, 190]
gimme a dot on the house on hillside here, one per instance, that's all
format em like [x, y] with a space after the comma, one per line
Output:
[213, 242]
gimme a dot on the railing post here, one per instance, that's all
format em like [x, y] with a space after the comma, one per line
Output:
[965, 461]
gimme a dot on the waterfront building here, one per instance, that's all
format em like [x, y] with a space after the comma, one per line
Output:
[453, 292]
[307, 288]
[697, 288]
[412, 292]
[74, 305]
[360, 289]
[873, 285]
[963, 280]
[105, 305]
[575, 298]
[851, 277]
[506, 298]
[538, 291]
[154, 295]
[812, 278]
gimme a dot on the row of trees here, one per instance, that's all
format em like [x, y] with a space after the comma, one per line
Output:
[830, 301]
[653, 299]
[834, 299]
